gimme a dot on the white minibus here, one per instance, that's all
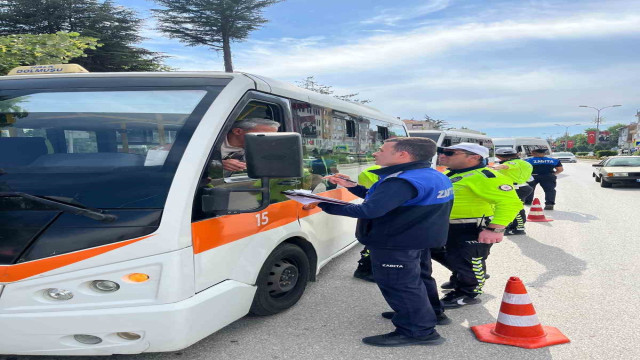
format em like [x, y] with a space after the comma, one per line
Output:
[121, 233]
[523, 145]
[444, 138]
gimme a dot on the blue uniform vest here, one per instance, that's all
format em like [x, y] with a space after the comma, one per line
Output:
[543, 165]
[419, 223]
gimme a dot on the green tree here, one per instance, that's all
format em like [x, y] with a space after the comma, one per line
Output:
[116, 27]
[310, 83]
[438, 123]
[19, 50]
[211, 23]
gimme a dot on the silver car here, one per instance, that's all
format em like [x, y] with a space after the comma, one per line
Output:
[617, 170]
[565, 157]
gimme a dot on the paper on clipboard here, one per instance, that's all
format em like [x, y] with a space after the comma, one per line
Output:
[306, 197]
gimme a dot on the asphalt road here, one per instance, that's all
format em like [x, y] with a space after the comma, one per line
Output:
[580, 271]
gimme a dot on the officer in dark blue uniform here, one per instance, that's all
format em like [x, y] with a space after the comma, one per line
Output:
[545, 170]
[403, 215]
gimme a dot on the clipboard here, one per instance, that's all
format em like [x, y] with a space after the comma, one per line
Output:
[305, 198]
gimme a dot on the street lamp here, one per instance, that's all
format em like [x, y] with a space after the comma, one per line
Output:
[598, 119]
[566, 133]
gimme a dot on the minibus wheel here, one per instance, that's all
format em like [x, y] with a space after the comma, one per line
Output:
[281, 281]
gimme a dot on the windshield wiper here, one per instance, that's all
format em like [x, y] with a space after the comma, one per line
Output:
[76, 210]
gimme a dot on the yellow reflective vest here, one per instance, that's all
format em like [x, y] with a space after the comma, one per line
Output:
[518, 170]
[483, 192]
[367, 178]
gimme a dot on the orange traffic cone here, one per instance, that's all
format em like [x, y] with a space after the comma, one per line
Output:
[518, 323]
[536, 213]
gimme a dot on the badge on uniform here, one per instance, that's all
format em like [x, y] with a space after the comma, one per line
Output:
[456, 179]
[505, 187]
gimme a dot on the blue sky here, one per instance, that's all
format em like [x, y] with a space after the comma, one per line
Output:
[508, 68]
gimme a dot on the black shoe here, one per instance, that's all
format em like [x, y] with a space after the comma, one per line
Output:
[450, 286]
[515, 232]
[394, 339]
[457, 299]
[548, 207]
[447, 286]
[367, 276]
[442, 319]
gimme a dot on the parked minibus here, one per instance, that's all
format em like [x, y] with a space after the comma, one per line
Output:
[444, 138]
[523, 145]
[121, 234]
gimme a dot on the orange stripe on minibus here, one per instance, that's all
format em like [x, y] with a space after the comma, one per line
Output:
[211, 233]
[16, 272]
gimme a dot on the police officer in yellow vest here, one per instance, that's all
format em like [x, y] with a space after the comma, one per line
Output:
[485, 202]
[519, 171]
[366, 178]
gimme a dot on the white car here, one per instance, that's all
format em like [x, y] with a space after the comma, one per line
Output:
[617, 170]
[565, 157]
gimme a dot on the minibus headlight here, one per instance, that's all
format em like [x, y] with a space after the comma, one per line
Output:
[87, 339]
[105, 286]
[59, 294]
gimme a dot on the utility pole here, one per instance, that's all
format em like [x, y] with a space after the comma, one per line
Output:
[598, 120]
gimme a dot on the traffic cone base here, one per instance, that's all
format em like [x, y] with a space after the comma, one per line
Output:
[517, 323]
[536, 213]
[552, 336]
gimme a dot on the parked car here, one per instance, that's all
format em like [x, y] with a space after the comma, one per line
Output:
[617, 170]
[565, 157]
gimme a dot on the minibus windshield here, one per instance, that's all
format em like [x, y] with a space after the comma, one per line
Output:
[106, 148]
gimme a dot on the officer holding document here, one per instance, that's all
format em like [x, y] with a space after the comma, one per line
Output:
[403, 215]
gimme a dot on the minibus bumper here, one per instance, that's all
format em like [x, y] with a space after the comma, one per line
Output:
[166, 327]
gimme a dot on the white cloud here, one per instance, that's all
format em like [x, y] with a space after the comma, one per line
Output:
[396, 49]
[393, 16]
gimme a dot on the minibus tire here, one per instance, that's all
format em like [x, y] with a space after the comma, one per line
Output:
[293, 258]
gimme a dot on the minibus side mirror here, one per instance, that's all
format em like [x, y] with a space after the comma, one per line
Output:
[268, 155]
[273, 155]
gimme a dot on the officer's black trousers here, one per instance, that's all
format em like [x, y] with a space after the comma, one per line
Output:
[404, 278]
[548, 183]
[465, 257]
[523, 192]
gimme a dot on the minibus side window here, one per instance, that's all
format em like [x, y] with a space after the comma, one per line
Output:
[329, 143]
[372, 135]
[397, 131]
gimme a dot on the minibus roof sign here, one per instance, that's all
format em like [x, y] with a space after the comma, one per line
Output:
[48, 69]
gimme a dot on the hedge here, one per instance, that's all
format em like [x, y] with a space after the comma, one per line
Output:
[601, 153]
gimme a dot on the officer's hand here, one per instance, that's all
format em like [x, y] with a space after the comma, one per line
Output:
[341, 179]
[310, 206]
[489, 237]
[233, 165]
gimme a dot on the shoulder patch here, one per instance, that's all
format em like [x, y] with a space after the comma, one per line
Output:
[505, 187]
[488, 173]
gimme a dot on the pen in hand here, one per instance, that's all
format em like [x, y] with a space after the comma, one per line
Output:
[340, 177]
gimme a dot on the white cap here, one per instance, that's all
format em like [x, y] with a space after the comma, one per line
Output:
[471, 147]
